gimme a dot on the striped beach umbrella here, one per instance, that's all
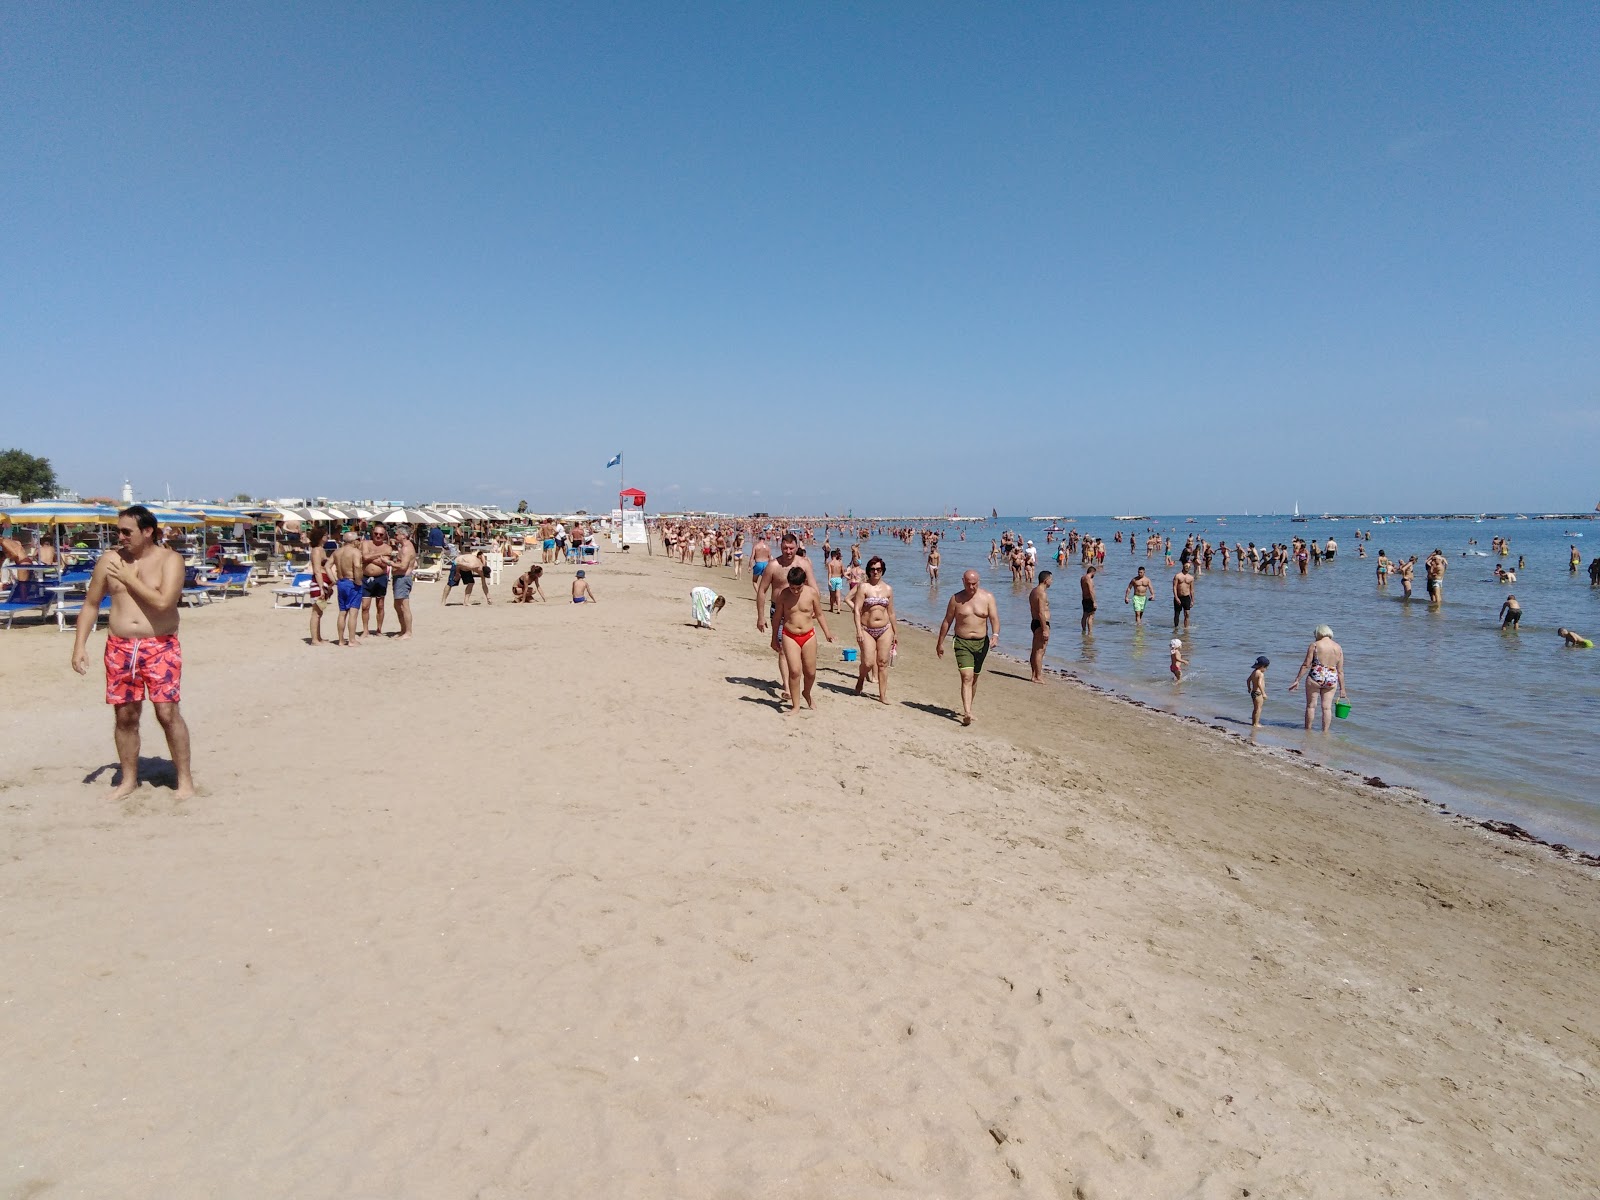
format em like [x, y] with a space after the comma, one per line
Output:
[60, 512]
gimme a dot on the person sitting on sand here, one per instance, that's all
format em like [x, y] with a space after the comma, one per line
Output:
[798, 616]
[528, 586]
[1256, 684]
[582, 593]
[1575, 639]
[706, 604]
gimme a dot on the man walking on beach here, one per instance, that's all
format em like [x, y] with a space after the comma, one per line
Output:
[976, 619]
[1436, 566]
[1086, 584]
[1039, 611]
[1141, 588]
[1182, 596]
[145, 582]
[772, 580]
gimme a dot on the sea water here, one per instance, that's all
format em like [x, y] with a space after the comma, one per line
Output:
[1496, 725]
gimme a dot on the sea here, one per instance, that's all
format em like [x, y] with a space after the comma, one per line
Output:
[1495, 725]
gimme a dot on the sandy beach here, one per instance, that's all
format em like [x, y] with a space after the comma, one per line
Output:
[550, 901]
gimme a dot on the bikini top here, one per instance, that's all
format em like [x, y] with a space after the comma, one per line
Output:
[874, 601]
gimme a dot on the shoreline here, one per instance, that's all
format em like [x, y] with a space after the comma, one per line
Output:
[569, 907]
[1402, 793]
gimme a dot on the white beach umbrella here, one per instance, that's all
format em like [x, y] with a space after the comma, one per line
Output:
[407, 516]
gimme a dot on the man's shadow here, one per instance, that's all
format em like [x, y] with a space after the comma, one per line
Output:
[772, 692]
[935, 710]
[157, 772]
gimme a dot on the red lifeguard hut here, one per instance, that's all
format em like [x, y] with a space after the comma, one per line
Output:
[630, 498]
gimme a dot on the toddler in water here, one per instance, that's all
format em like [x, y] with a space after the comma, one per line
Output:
[1256, 684]
[1178, 661]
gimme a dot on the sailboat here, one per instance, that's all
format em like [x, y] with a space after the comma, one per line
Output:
[1297, 518]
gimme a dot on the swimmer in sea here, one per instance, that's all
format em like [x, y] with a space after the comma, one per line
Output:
[1140, 588]
[1177, 662]
[1510, 613]
[1575, 640]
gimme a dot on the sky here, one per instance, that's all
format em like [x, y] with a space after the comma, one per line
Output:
[886, 258]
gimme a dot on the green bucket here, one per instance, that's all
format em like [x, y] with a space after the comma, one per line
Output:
[1341, 709]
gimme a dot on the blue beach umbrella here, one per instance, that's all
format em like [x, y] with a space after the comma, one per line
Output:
[60, 512]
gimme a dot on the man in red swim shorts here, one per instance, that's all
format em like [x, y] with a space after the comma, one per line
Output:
[145, 583]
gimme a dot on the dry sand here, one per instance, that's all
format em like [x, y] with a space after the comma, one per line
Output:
[550, 902]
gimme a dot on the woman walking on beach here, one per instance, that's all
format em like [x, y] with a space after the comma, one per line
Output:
[1324, 671]
[873, 604]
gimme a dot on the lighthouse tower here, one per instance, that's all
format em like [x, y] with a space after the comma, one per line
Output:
[127, 493]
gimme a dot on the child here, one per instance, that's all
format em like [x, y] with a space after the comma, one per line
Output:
[1510, 613]
[1178, 662]
[799, 616]
[1256, 684]
[1575, 639]
[582, 593]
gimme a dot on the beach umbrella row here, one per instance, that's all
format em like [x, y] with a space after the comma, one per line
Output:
[60, 512]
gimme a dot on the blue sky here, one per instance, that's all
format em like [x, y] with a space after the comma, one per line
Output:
[803, 258]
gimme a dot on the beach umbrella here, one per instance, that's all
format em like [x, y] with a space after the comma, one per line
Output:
[60, 512]
[56, 513]
[408, 516]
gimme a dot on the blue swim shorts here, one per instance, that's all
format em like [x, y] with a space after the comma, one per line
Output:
[349, 595]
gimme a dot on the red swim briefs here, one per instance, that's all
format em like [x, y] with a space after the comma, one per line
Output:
[134, 665]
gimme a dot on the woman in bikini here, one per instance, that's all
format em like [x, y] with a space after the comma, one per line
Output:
[873, 604]
[1324, 671]
[799, 616]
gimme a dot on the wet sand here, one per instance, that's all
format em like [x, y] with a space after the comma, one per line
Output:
[551, 901]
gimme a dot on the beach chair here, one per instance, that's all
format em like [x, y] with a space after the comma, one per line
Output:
[27, 595]
[296, 595]
[429, 573]
[72, 608]
[194, 597]
[231, 583]
[496, 562]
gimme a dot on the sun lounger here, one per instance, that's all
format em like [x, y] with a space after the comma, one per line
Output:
[296, 595]
[27, 595]
[72, 608]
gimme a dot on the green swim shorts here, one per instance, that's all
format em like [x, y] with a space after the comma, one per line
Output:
[970, 653]
[1139, 602]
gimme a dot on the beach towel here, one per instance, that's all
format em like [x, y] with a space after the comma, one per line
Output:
[703, 598]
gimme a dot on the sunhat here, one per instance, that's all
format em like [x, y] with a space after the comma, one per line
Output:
[1177, 644]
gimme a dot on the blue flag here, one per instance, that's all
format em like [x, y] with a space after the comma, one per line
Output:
[617, 461]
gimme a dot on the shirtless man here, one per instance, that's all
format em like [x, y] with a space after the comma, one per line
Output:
[760, 556]
[347, 572]
[973, 613]
[405, 562]
[466, 568]
[799, 615]
[771, 581]
[376, 555]
[1182, 596]
[324, 584]
[145, 582]
[1141, 588]
[1086, 584]
[933, 561]
[1039, 612]
[547, 541]
[1436, 565]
